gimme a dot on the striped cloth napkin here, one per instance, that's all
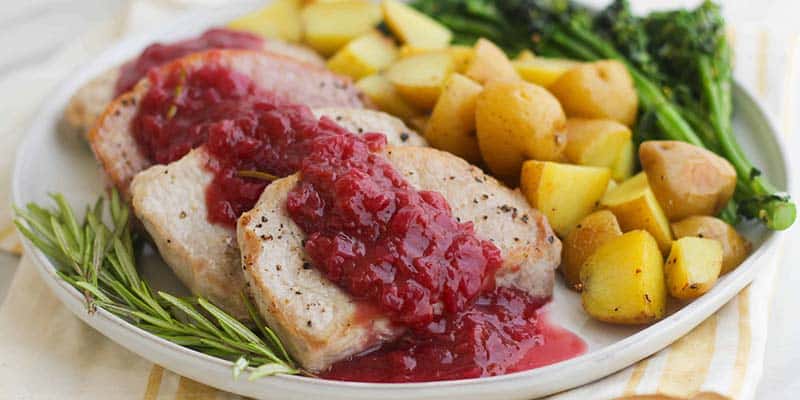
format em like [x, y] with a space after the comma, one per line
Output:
[53, 355]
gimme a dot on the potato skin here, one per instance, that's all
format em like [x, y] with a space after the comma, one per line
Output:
[623, 280]
[590, 233]
[452, 123]
[518, 121]
[489, 62]
[686, 179]
[602, 89]
[735, 248]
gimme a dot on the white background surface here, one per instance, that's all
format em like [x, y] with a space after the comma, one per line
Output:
[31, 31]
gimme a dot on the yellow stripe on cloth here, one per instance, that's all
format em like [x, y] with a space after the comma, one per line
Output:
[636, 377]
[153, 383]
[9, 241]
[191, 390]
[743, 350]
[789, 100]
[6, 231]
[688, 360]
[763, 47]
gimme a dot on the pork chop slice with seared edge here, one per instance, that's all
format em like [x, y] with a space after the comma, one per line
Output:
[320, 323]
[112, 139]
[170, 201]
[89, 101]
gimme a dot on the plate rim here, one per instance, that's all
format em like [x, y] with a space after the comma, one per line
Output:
[636, 346]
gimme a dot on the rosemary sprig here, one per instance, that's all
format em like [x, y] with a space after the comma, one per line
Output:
[99, 261]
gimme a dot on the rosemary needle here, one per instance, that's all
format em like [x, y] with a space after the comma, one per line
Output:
[99, 261]
[264, 176]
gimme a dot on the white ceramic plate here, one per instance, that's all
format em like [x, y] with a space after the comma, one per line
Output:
[49, 162]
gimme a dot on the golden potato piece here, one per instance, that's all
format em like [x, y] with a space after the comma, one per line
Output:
[489, 63]
[542, 71]
[383, 94]
[734, 247]
[636, 207]
[692, 267]
[686, 179]
[518, 121]
[413, 27]
[524, 55]
[452, 123]
[624, 164]
[461, 55]
[602, 89]
[329, 26]
[365, 55]
[564, 193]
[595, 142]
[278, 20]
[419, 79]
[612, 184]
[590, 233]
[623, 280]
[419, 122]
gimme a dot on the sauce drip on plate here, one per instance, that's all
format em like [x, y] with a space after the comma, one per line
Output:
[504, 331]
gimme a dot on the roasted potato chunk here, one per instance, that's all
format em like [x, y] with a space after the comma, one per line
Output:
[488, 63]
[636, 207]
[278, 20]
[413, 27]
[686, 179]
[329, 26]
[602, 89]
[624, 164]
[734, 247]
[623, 280]
[542, 71]
[365, 55]
[590, 233]
[383, 94]
[420, 78]
[692, 267]
[518, 121]
[595, 142]
[452, 123]
[564, 193]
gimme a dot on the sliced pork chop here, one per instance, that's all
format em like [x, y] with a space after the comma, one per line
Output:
[92, 98]
[116, 148]
[317, 321]
[170, 201]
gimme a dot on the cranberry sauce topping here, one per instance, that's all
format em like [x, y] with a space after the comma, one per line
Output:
[242, 127]
[381, 240]
[159, 54]
[505, 331]
[368, 230]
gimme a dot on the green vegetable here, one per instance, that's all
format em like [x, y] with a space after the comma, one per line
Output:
[98, 260]
[679, 60]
